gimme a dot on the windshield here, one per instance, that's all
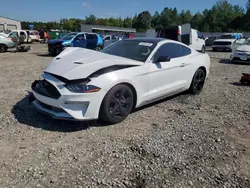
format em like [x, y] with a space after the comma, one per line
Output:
[131, 49]
[69, 36]
[247, 42]
[226, 37]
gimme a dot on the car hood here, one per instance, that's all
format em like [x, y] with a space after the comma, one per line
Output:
[224, 40]
[77, 63]
[54, 41]
[245, 48]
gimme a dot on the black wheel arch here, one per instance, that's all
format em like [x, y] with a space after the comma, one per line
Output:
[131, 87]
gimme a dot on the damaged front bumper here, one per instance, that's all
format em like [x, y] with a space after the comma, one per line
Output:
[67, 105]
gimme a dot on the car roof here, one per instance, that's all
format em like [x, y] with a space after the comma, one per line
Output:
[149, 39]
[84, 33]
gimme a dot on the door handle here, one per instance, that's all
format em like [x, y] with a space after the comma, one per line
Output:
[183, 65]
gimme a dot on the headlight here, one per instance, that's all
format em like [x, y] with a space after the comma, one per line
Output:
[82, 88]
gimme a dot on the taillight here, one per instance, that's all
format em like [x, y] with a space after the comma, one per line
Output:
[10, 39]
[179, 32]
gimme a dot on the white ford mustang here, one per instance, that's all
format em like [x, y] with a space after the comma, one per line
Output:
[82, 84]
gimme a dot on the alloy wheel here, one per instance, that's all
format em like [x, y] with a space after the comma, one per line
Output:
[120, 103]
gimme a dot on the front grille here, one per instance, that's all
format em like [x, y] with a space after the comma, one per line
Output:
[45, 88]
[222, 43]
[52, 108]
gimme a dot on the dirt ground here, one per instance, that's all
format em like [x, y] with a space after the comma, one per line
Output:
[182, 141]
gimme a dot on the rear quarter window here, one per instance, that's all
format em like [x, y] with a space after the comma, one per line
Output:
[185, 51]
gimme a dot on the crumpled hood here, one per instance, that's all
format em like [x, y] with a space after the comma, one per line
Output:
[77, 63]
[224, 40]
[245, 48]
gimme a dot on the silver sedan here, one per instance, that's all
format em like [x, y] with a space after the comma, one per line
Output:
[5, 43]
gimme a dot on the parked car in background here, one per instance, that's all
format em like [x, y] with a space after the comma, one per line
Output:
[91, 41]
[5, 43]
[225, 41]
[241, 53]
[109, 39]
[184, 34]
[17, 33]
[34, 35]
[210, 40]
[84, 84]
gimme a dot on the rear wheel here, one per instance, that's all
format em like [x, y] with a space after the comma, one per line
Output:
[98, 48]
[3, 48]
[197, 82]
[117, 104]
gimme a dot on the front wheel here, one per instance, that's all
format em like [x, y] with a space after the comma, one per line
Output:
[98, 48]
[3, 48]
[117, 104]
[197, 82]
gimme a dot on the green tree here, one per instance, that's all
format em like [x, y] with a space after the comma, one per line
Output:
[143, 20]
[91, 19]
[185, 16]
[196, 21]
[166, 19]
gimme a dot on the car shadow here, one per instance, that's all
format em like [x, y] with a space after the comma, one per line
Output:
[26, 114]
[239, 84]
[227, 61]
[44, 55]
[183, 94]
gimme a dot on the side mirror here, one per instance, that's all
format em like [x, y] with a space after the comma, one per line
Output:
[162, 59]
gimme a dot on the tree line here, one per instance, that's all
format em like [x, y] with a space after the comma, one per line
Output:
[222, 17]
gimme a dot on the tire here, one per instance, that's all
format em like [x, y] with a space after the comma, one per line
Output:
[57, 51]
[3, 48]
[203, 49]
[198, 82]
[98, 48]
[118, 98]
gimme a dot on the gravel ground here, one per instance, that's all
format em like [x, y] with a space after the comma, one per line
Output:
[183, 141]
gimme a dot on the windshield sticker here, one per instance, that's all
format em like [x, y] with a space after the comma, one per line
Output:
[145, 44]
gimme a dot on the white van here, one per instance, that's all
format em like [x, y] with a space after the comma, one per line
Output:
[184, 34]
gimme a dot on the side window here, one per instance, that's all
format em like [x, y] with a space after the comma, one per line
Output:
[13, 34]
[185, 51]
[199, 35]
[113, 37]
[107, 38]
[91, 37]
[171, 50]
[80, 37]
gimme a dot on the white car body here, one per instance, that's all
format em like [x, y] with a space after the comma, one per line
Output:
[6, 41]
[150, 81]
[241, 54]
[225, 42]
[34, 36]
[17, 33]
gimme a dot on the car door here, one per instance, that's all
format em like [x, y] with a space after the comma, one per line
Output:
[167, 78]
[107, 41]
[91, 41]
[79, 41]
